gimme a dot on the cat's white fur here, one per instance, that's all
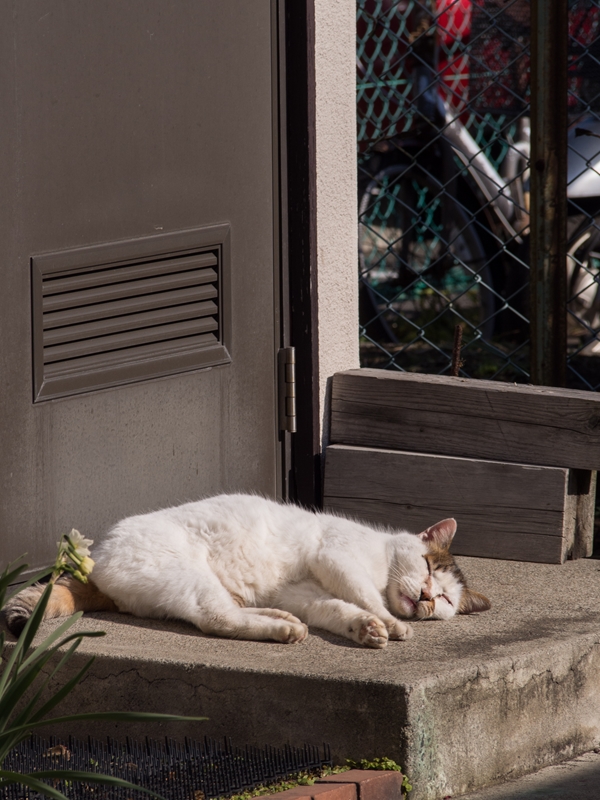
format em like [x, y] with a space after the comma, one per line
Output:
[245, 567]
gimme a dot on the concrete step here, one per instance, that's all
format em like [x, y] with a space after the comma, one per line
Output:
[463, 705]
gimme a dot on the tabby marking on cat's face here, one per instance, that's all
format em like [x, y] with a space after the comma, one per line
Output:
[435, 588]
[431, 590]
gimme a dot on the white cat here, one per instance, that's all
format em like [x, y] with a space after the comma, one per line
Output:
[245, 567]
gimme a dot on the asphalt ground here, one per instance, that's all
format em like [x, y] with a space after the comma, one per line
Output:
[578, 779]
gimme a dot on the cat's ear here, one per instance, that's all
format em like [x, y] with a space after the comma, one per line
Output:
[441, 534]
[471, 602]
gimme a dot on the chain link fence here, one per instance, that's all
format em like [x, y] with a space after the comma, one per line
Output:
[583, 192]
[444, 144]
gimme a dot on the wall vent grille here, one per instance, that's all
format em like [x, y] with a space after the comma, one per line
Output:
[121, 319]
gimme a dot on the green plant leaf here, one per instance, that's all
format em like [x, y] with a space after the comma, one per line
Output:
[78, 635]
[11, 700]
[51, 638]
[23, 642]
[91, 777]
[61, 693]
[39, 576]
[19, 683]
[9, 778]
[35, 620]
[19, 675]
[381, 763]
[27, 712]
[8, 577]
[109, 716]
[24, 678]
[29, 670]
[375, 763]
[14, 569]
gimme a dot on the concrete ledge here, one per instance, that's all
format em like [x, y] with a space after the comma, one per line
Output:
[463, 705]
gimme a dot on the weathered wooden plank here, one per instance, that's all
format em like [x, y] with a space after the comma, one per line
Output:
[582, 485]
[503, 510]
[512, 547]
[469, 418]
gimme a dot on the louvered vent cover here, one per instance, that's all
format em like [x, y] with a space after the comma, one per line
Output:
[128, 311]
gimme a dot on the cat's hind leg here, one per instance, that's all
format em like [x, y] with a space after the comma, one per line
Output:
[211, 608]
[319, 608]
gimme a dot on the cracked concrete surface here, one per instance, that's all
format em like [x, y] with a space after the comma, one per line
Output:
[464, 704]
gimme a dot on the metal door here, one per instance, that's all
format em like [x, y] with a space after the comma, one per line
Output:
[138, 313]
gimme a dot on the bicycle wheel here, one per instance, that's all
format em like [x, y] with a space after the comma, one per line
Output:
[422, 265]
[583, 284]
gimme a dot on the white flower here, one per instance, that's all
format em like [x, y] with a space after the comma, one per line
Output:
[79, 544]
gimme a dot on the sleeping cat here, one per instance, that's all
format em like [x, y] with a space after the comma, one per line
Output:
[244, 567]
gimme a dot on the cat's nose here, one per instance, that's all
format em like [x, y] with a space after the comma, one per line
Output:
[426, 591]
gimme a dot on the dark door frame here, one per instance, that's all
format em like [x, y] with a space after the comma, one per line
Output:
[301, 245]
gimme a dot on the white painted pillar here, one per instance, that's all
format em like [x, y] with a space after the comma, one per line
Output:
[337, 270]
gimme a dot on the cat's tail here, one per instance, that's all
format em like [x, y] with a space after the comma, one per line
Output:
[68, 596]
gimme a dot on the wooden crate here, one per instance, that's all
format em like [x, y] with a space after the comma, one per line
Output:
[503, 510]
[463, 417]
[514, 464]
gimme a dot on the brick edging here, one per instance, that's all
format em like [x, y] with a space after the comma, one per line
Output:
[356, 784]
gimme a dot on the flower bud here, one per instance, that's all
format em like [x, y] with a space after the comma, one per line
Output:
[81, 578]
[86, 566]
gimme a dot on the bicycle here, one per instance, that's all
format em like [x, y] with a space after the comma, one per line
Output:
[443, 228]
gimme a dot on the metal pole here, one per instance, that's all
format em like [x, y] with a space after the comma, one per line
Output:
[548, 279]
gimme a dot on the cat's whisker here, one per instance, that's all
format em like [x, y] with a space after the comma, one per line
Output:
[397, 572]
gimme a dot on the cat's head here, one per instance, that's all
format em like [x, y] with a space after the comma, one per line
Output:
[426, 582]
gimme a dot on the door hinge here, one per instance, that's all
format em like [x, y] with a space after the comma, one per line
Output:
[286, 360]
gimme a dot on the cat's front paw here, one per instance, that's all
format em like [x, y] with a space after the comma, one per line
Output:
[369, 631]
[275, 612]
[293, 632]
[397, 629]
